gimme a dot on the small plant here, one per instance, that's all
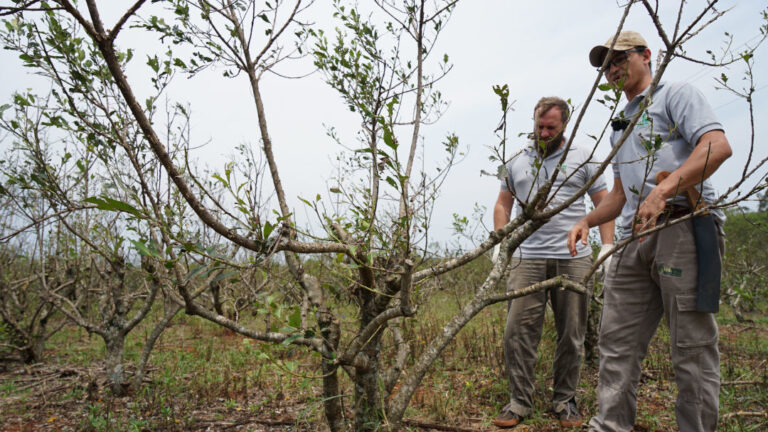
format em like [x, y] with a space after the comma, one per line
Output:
[97, 420]
[8, 388]
[136, 425]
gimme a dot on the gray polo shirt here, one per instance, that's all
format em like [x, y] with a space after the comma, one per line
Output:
[662, 140]
[524, 179]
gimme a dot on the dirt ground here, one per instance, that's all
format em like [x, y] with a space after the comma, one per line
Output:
[458, 395]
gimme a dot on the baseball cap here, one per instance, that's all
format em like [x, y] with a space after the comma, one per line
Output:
[627, 39]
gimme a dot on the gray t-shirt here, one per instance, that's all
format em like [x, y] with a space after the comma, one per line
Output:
[662, 140]
[524, 179]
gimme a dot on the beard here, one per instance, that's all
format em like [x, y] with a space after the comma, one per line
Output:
[548, 147]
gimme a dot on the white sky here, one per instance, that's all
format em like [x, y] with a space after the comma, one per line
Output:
[539, 48]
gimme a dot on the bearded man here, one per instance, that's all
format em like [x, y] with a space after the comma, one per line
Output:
[542, 256]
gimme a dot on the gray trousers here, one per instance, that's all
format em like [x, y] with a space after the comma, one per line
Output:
[646, 281]
[525, 318]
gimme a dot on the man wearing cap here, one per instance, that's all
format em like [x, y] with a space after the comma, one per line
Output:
[655, 276]
[544, 255]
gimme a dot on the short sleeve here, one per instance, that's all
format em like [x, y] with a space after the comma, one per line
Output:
[615, 166]
[691, 113]
[507, 184]
[590, 169]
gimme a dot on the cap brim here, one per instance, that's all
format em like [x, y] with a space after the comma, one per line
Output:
[597, 55]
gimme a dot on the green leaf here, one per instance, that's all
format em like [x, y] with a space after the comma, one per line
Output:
[305, 201]
[195, 271]
[20, 100]
[110, 204]
[657, 142]
[389, 139]
[153, 63]
[224, 275]
[268, 228]
[220, 179]
[294, 319]
[145, 250]
[290, 339]
[502, 91]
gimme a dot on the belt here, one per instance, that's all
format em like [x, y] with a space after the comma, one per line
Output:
[674, 211]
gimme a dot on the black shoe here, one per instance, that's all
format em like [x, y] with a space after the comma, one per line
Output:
[570, 416]
[507, 418]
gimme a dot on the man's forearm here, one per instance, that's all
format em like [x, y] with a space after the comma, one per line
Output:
[607, 231]
[712, 150]
[605, 213]
[500, 217]
[502, 209]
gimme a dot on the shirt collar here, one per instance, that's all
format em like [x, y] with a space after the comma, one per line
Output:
[636, 101]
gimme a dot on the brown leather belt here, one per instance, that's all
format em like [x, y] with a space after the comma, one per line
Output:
[674, 211]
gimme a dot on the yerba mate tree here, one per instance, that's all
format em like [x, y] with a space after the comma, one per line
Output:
[81, 183]
[382, 63]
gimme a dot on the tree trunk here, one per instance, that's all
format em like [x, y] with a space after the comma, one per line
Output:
[33, 352]
[334, 413]
[369, 412]
[591, 338]
[171, 312]
[115, 343]
[218, 306]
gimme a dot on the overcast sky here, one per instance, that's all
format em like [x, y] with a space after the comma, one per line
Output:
[538, 48]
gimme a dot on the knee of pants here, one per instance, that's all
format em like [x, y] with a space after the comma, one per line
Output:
[697, 373]
[619, 370]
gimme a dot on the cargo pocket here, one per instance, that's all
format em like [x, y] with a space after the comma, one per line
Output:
[693, 329]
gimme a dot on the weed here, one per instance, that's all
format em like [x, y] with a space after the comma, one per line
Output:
[97, 419]
[7, 388]
[135, 425]
[76, 393]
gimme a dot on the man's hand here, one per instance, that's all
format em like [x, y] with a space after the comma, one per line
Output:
[649, 212]
[580, 231]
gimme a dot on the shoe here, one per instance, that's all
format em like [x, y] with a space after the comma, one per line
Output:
[507, 418]
[570, 416]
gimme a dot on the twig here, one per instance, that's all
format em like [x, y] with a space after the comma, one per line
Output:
[743, 382]
[222, 425]
[746, 414]
[436, 426]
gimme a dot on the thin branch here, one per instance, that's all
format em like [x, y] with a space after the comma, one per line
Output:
[119, 26]
[25, 7]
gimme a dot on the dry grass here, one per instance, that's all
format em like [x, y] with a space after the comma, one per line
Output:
[205, 378]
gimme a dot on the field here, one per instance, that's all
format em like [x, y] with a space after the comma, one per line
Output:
[203, 377]
[156, 273]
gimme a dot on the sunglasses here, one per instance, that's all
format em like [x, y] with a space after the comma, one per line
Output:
[619, 58]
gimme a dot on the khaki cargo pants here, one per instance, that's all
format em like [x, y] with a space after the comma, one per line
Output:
[646, 281]
[525, 318]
